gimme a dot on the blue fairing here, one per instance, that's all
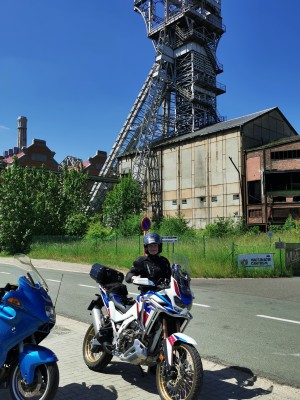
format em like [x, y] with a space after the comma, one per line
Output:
[32, 356]
[26, 309]
[24, 320]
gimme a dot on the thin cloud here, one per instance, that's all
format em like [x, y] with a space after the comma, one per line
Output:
[4, 128]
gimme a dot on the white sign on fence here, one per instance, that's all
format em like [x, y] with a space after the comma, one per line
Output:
[256, 260]
[169, 239]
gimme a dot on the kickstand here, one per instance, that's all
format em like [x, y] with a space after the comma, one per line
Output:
[142, 371]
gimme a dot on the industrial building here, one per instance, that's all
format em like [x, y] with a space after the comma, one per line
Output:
[203, 174]
[272, 190]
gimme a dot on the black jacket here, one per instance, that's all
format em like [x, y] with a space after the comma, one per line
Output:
[156, 268]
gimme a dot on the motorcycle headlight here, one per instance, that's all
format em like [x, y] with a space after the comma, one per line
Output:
[50, 312]
[181, 304]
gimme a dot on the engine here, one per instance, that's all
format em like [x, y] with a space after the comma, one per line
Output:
[127, 337]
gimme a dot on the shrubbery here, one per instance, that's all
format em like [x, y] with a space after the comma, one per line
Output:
[76, 225]
[39, 202]
[175, 226]
[96, 230]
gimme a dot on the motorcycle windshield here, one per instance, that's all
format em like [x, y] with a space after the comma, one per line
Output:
[179, 264]
[34, 278]
[181, 273]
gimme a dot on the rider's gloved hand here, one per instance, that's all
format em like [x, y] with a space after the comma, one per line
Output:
[135, 277]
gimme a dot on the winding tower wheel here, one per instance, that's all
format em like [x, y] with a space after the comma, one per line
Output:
[179, 94]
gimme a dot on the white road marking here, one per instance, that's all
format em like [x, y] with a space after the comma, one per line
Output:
[94, 287]
[5, 273]
[53, 280]
[279, 319]
[63, 270]
[201, 305]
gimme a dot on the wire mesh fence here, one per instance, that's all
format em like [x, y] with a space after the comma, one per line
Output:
[207, 257]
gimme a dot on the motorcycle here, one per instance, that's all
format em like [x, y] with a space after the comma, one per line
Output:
[146, 331]
[26, 317]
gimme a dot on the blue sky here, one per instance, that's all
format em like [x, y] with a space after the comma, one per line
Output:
[75, 67]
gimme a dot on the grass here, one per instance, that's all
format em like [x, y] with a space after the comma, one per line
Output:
[207, 257]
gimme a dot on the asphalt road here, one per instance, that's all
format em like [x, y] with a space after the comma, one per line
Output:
[250, 323]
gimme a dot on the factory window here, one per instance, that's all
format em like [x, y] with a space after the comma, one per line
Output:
[174, 202]
[285, 155]
[184, 201]
[254, 192]
[296, 198]
[214, 198]
[236, 197]
[279, 199]
[203, 199]
[255, 213]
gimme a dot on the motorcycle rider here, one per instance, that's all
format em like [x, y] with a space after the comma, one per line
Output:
[152, 265]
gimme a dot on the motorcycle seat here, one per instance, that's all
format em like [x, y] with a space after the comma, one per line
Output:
[120, 306]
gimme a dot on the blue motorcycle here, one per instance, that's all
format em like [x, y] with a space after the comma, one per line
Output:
[27, 316]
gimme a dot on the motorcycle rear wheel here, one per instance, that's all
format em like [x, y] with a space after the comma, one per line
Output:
[43, 387]
[95, 361]
[185, 379]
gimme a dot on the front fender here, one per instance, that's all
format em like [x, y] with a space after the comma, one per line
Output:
[32, 356]
[171, 340]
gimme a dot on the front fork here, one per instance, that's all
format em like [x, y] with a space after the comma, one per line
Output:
[169, 341]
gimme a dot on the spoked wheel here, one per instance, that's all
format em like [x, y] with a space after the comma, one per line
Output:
[43, 387]
[94, 356]
[184, 380]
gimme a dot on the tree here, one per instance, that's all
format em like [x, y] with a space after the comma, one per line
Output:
[39, 202]
[16, 209]
[125, 199]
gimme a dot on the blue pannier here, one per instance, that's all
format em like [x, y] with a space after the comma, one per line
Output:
[105, 275]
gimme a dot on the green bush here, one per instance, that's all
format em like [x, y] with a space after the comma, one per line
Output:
[130, 226]
[289, 224]
[97, 231]
[222, 227]
[175, 226]
[76, 225]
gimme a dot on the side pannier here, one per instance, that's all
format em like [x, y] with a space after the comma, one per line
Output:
[105, 275]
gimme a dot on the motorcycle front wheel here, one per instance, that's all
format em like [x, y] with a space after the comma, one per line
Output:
[95, 360]
[185, 378]
[43, 387]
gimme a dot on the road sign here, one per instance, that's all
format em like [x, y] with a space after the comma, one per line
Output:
[279, 245]
[256, 260]
[146, 224]
[169, 239]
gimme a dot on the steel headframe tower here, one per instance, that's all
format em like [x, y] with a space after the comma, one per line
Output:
[179, 94]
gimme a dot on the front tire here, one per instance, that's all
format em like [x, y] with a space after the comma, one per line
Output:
[43, 387]
[95, 361]
[185, 379]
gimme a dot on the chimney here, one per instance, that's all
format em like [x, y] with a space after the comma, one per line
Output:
[22, 132]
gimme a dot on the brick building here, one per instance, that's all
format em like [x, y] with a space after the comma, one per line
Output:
[36, 155]
[273, 182]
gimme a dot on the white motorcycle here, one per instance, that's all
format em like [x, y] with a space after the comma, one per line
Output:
[146, 331]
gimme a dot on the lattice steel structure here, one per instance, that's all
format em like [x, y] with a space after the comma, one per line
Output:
[179, 94]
